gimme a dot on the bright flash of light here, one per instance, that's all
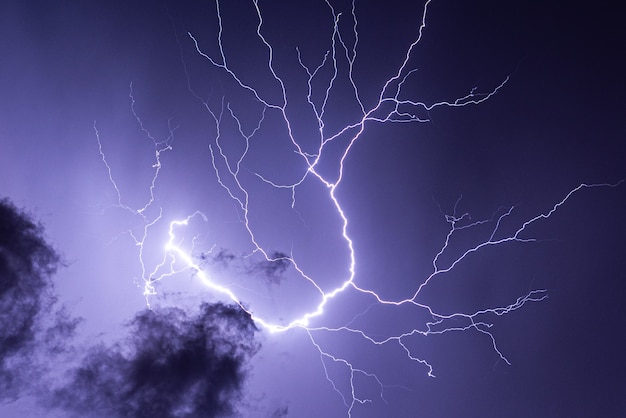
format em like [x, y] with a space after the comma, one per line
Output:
[393, 104]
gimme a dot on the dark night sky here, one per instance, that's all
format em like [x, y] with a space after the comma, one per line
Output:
[558, 122]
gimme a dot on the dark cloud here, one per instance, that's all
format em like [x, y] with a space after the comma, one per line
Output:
[271, 269]
[274, 267]
[281, 412]
[29, 324]
[171, 365]
[221, 258]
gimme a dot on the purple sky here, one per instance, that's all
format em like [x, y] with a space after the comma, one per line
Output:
[119, 66]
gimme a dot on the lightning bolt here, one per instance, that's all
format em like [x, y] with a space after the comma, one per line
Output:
[393, 104]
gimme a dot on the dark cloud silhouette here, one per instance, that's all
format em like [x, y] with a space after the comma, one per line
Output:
[171, 365]
[270, 268]
[281, 412]
[273, 268]
[29, 324]
[221, 258]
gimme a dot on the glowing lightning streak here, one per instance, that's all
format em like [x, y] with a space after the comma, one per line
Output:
[482, 327]
[401, 110]
[139, 241]
[390, 93]
[312, 160]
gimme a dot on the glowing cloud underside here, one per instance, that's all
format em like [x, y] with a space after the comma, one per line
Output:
[391, 106]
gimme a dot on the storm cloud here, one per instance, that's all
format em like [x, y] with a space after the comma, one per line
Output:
[171, 365]
[30, 323]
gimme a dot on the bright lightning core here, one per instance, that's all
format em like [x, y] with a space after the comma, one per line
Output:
[280, 154]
